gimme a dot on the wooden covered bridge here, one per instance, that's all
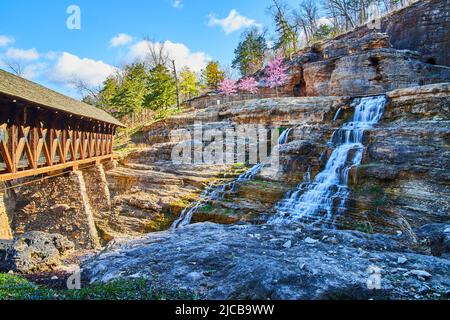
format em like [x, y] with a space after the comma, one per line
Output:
[42, 131]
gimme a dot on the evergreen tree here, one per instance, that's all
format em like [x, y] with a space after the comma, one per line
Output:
[287, 34]
[132, 91]
[161, 89]
[108, 93]
[249, 55]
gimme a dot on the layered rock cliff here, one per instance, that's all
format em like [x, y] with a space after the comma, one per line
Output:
[394, 238]
[393, 226]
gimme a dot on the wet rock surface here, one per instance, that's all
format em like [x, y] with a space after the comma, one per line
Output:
[266, 262]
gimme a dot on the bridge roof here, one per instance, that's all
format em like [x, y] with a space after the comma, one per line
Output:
[22, 89]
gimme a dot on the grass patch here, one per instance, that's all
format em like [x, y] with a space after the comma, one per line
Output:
[13, 287]
[164, 114]
[239, 165]
[207, 208]
[16, 288]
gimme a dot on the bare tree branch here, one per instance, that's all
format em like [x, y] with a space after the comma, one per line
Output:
[85, 89]
[157, 54]
[15, 66]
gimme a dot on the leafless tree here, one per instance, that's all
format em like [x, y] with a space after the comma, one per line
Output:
[156, 54]
[348, 14]
[15, 66]
[85, 89]
[306, 17]
[342, 12]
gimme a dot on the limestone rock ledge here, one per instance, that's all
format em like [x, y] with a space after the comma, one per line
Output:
[266, 262]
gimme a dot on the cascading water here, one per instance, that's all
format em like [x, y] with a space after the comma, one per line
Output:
[217, 193]
[323, 200]
[284, 136]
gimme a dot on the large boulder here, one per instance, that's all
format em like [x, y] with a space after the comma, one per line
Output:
[34, 252]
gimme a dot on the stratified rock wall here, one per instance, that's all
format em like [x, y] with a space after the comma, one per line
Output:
[401, 186]
[56, 205]
[365, 67]
[405, 182]
[424, 27]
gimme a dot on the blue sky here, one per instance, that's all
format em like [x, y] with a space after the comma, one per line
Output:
[35, 34]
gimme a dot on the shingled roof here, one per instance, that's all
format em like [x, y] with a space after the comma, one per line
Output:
[22, 89]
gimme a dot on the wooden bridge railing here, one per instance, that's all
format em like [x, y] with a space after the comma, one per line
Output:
[35, 141]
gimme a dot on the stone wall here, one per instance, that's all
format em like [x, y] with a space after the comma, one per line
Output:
[59, 204]
[100, 200]
[7, 203]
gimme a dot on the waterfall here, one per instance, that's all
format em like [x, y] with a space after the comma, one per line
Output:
[323, 200]
[218, 193]
[284, 136]
[337, 115]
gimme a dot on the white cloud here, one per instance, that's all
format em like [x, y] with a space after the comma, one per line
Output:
[324, 21]
[70, 67]
[34, 70]
[182, 55]
[51, 55]
[177, 4]
[5, 41]
[22, 55]
[233, 22]
[120, 40]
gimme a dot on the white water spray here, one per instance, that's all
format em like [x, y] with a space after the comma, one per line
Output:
[325, 199]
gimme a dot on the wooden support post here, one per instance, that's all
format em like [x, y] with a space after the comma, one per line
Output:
[12, 138]
[33, 138]
[51, 136]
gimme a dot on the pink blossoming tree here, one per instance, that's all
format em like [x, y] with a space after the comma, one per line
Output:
[228, 87]
[249, 85]
[276, 71]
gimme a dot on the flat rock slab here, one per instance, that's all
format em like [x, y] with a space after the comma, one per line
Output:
[230, 262]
